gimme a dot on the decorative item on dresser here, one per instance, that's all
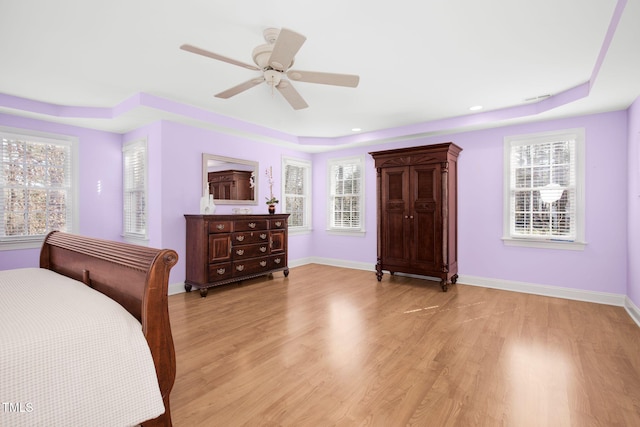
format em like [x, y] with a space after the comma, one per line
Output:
[417, 211]
[224, 249]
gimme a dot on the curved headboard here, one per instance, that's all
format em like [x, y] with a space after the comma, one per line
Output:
[137, 277]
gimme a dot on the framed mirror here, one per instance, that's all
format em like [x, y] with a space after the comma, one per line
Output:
[231, 181]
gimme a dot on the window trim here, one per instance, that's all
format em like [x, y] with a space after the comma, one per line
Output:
[576, 134]
[306, 165]
[130, 237]
[360, 160]
[33, 242]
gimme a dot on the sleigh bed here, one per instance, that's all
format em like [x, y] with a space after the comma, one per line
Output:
[85, 338]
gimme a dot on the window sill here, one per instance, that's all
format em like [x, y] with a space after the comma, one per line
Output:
[545, 244]
[22, 243]
[342, 232]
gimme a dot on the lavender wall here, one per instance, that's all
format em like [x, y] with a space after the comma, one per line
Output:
[602, 266]
[633, 225]
[175, 176]
[100, 192]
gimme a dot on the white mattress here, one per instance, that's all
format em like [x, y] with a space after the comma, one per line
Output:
[70, 356]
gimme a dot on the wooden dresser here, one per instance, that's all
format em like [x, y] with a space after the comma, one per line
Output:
[223, 249]
[418, 210]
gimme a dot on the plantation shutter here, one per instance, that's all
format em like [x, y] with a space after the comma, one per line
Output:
[135, 189]
[543, 189]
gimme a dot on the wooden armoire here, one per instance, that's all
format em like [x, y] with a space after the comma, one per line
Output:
[417, 211]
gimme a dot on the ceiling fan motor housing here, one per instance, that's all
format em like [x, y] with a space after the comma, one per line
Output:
[261, 55]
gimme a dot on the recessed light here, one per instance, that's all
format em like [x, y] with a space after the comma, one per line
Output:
[356, 129]
[476, 108]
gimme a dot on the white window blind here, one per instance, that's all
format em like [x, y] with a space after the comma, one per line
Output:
[36, 186]
[135, 189]
[545, 188]
[346, 194]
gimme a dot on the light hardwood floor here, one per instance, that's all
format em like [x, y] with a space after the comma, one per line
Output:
[333, 347]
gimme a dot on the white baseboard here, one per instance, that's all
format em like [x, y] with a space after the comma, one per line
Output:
[366, 266]
[545, 290]
[176, 288]
[633, 310]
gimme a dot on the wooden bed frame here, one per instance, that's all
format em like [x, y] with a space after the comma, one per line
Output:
[137, 277]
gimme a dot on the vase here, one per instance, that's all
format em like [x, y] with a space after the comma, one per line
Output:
[272, 209]
[207, 206]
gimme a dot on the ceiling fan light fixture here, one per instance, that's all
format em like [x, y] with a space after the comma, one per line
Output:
[272, 77]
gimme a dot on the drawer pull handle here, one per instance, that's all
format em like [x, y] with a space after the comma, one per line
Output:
[239, 238]
[252, 225]
[263, 236]
[239, 267]
[263, 249]
[263, 263]
[221, 271]
[220, 226]
[277, 260]
[240, 251]
[278, 223]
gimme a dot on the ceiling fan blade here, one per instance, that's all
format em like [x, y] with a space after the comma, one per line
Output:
[287, 45]
[349, 80]
[240, 88]
[291, 95]
[197, 50]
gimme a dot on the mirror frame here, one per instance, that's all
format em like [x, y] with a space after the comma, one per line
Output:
[205, 182]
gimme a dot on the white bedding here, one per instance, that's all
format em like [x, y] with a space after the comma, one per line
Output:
[70, 356]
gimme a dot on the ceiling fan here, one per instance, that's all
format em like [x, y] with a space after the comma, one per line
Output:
[273, 60]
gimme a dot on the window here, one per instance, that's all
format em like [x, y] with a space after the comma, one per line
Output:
[346, 194]
[296, 183]
[37, 187]
[135, 190]
[544, 190]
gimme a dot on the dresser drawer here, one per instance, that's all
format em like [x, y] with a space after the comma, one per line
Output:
[220, 226]
[277, 261]
[219, 271]
[251, 266]
[250, 251]
[249, 237]
[278, 223]
[250, 225]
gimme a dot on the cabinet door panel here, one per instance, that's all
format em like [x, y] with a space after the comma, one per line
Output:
[395, 195]
[219, 247]
[425, 215]
[278, 241]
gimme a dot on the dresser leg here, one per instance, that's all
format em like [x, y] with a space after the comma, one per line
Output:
[187, 287]
[445, 286]
[286, 272]
[204, 292]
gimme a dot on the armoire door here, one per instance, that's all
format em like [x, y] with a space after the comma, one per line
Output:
[426, 216]
[394, 193]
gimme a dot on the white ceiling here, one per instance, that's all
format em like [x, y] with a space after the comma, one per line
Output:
[419, 61]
